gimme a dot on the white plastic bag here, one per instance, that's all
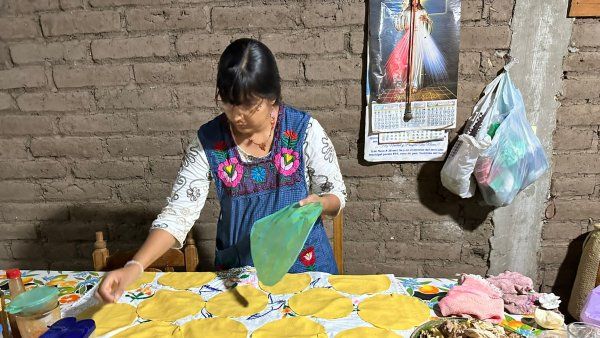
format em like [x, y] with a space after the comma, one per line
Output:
[456, 176]
[459, 166]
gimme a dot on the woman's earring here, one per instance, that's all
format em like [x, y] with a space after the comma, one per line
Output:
[273, 118]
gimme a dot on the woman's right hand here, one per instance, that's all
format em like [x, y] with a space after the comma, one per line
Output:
[114, 283]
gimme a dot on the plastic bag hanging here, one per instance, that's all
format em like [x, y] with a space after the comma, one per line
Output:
[456, 175]
[515, 158]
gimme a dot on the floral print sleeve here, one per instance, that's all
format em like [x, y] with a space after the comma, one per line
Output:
[322, 163]
[188, 195]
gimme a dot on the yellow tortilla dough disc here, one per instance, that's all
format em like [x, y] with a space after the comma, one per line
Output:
[145, 278]
[291, 327]
[186, 280]
[168, 306]
[109, 317]
[360, 285]
[321, 303]
[394, 312]
[371, 332]
[243, 300]
[148, 330]
[290, 283]
[214, 328]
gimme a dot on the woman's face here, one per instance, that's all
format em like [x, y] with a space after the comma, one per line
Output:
[247, 118]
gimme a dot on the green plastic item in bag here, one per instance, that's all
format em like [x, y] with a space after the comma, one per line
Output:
[276, 240]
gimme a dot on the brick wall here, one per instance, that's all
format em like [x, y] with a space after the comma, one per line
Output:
[98, 99]
[576, 173]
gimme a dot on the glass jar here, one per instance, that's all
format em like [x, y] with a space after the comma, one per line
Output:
[583, 330]
[34, 325]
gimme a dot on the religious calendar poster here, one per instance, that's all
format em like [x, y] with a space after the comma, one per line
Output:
[412, 75]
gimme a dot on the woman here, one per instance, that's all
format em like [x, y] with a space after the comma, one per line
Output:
[262, 156]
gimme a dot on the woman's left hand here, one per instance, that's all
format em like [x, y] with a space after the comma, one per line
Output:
[311, 199]
[329, 202]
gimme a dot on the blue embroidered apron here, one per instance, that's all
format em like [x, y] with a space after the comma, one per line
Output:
[250, 191]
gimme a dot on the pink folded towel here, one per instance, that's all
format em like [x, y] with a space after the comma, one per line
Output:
[512, 282]
[474, 297]
[520, 304]
[519, 298]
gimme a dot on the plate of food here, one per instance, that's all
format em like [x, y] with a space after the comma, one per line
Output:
[461, 328]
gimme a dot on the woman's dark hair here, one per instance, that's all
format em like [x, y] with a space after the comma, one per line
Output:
[247, 70]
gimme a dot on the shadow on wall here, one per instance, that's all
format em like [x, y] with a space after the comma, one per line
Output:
[565, 277]
[125, 227]
[69, 243]
[468, 213]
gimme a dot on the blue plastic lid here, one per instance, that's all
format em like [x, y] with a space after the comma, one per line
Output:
[33, 299]
[69, 327]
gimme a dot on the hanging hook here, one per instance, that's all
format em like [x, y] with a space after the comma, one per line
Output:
[511, 62]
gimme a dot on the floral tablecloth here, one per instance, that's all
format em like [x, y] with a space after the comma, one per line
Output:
[75, 295]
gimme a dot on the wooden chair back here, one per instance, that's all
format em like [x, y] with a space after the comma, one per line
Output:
[338, 237]
[187, 258]
[184, 259]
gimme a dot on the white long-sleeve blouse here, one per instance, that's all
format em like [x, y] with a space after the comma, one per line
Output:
[322, 173]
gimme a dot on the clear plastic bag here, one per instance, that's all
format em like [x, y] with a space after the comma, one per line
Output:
[515, 158]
